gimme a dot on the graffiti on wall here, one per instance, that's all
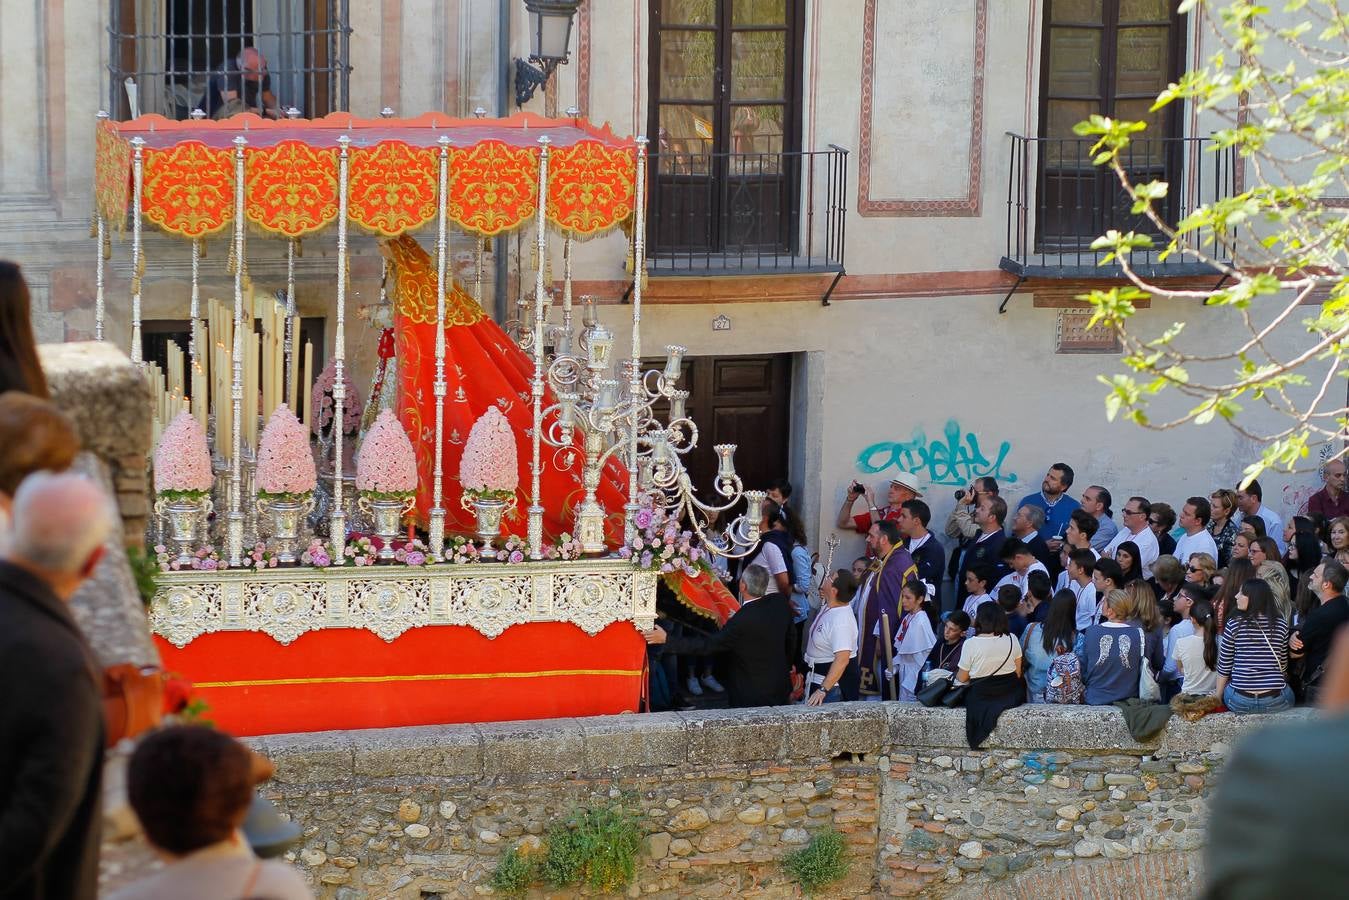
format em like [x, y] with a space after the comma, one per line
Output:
[955, 458]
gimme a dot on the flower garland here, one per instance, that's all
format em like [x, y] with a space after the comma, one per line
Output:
[461, 550]
[205, 559]
[182, 462]
[567, 547]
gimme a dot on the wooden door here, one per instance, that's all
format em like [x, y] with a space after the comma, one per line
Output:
[725, 90]
[741, 400]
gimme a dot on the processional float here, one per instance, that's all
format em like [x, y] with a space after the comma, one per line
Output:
[372, 627]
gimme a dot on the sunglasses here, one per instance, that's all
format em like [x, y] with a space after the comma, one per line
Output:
[1193, 569]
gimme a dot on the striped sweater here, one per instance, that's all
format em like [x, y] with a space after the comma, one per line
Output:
[1253, 653]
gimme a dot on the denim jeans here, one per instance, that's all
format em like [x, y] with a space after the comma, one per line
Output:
[1241, 704]
[835, 695]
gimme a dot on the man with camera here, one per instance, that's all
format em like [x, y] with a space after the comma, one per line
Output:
[903, 487]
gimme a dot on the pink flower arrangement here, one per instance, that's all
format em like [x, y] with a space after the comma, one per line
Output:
[660, 544]
[259, 557]
[317, 554]
[206, 559]
[489, 465]
[567, 547]
[386, 467]
[412, 553]
[459, 549]
[182, 462]
[322, 399]
[285, 463]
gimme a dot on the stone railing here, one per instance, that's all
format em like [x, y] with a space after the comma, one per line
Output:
[98, 387]
[1061, 802]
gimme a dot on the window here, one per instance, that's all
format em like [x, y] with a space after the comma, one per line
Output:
[725, 110]
[1107, 57]
[227, 56]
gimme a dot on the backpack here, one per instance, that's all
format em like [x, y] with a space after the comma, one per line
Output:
[1063, 683]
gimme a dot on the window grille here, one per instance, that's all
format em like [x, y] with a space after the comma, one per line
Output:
[227, 56]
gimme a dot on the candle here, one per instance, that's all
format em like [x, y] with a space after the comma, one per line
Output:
[308, 381]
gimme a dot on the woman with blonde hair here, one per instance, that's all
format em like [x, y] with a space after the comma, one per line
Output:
[1143, 612]
[1339, 539]
[1201, 569]
[1223, 504]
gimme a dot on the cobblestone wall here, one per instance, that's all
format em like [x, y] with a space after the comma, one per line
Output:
[1061, 802]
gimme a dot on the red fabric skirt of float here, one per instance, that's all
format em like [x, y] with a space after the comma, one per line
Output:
[350, 678]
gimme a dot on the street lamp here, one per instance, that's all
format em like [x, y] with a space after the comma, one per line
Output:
[549, 37]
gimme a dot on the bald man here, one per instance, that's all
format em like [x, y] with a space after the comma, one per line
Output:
[51, 720]
[1331, 501]
[241, 85]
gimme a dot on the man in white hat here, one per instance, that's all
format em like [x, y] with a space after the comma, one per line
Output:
[903, 488]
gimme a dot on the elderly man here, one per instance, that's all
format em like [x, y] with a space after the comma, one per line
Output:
[1331, 501]
[1028, 527]
[755, 639]
[903, 488]
[243, 86]
[51, 722]
[1137, 529]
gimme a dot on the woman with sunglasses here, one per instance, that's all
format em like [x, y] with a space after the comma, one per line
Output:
[1201, 570]
[1253, 654]
[1264, 556]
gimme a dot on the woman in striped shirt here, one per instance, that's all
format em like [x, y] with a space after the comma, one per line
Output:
[1253, 655]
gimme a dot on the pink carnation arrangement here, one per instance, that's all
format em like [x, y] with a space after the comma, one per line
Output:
[489, 466]
[205, 559]
[660, 544]
[459, 549]
[285, 463]
[182, 462]
[322, 399]
[386, 467]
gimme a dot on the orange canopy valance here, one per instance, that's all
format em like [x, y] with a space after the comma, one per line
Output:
[291, 173]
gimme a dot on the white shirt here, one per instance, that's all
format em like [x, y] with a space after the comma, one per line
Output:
[1190, 544]
[1020, 580]
[1198, 678]
[1086, 604]
[770, 557]
[987, 654]
[1147, 547]
[834, 629]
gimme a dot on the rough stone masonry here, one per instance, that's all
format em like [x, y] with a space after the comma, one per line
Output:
[1061, 803]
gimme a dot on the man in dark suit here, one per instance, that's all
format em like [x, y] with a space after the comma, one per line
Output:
[1276, 820]
[986, 546]
[51, 720]
[1027, 524]
[754, 639]
[1313, 638]
[928, 555]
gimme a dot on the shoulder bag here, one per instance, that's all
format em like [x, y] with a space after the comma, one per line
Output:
[1148, 688]
[956, 696]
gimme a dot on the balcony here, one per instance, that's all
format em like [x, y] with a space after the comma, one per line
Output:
[1058, 203]
[747, 213]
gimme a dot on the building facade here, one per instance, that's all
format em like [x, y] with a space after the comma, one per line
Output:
[869, 219]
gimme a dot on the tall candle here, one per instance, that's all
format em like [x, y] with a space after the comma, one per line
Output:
[308, 382]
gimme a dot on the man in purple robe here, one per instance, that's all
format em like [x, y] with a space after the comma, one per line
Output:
[880, 594]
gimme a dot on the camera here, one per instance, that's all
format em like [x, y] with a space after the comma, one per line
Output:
[960, 495]
[856, 488]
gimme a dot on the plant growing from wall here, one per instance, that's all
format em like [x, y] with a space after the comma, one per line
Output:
[515, 873]
[596, 846]
[1281, 246]
[819, 862]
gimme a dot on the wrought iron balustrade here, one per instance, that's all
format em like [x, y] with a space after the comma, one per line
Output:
[1058, 203]
[746, 213]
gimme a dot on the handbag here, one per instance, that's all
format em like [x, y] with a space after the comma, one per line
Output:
[934, 691]
[956, 695]
[1148, 689]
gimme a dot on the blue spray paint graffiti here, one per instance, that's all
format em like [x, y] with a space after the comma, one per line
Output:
[954, 459]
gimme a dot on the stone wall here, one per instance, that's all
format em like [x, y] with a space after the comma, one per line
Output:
[1062, 802]
[98, 387]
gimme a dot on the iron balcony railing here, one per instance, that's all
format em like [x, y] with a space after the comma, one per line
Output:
[1058, 203]
[172, 51]
[744, 213]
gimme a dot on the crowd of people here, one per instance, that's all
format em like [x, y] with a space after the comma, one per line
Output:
[1215, 598]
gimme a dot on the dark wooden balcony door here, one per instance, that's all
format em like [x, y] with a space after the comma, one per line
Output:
[1112, 58]
[725, 113]
[741, 400]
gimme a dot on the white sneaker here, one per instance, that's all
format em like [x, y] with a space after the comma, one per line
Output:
[694, 688]
[710, 682]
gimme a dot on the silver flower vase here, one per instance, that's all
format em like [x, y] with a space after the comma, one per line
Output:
[185, 518]
[387, 518]
[285, 518]
[488, 511]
